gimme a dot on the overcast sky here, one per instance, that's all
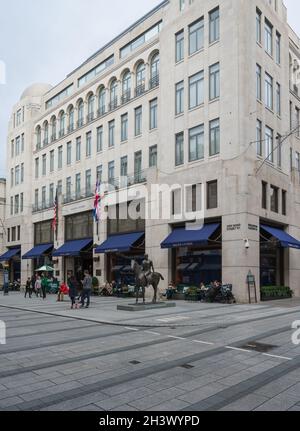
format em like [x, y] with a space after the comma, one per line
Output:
[43, 40]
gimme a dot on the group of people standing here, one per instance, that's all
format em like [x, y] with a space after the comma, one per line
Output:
[79, 292]
[37, 284]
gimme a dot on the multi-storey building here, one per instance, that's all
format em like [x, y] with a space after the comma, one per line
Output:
[197, 92]
[2, 218]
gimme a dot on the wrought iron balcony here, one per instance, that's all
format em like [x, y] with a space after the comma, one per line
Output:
[77, 196]
[80, 122]
[113, 104]
[43, 206]
[140, 89]
[70, 128]
[101, 111]
[126, 96]
[90, 117]
[154, 81]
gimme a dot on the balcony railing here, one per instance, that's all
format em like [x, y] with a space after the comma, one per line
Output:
[140, 89]
[80, 122]
[126, 96]
[45, 142]
[129, 180]
[101, 111]
[154, 81]
[53, 138]
[62, 133]
[90, 117]
[76, 196]
[42, 206]
[70, 128]
[113, 104]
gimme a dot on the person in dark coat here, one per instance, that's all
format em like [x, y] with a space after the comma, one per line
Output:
[73, 289]
[28, 288]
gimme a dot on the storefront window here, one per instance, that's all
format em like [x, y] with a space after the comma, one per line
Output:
[119, 220]
[43, 233]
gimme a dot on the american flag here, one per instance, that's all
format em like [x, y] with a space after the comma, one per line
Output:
[96, 212]
[55, 218]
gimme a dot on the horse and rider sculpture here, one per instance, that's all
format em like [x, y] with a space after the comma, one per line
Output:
[145, 276]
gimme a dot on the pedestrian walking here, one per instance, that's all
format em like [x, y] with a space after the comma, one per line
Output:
[38, 286]
[87, 289]
[73, 289]
[28, 288]
[33, 280]
[44, 285]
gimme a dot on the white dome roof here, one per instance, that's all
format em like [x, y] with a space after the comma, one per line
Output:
[36, 90]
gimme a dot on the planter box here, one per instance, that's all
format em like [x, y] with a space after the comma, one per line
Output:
[275, 298]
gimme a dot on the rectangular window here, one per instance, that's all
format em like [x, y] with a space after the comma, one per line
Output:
[12, 148]
[18, 233]
[44, 197]
[138, 121]
[16, 204]
[36, 168]
[12, 177]
[212, 195]
[264, 195]
[59, 187]
[153, 156]
[88, 182]
[269, 91]
[214, 137]
[274, 199]
[268, 37]
[99, 139]
[52, 161]
[8, 235]
[13, 234]
[99, 173]
[69, 153]
[51, 194]
[78, 149]
[22, 173]
[196, 36]
[196, 90]
[124, 127]
[44, 164]
[153, 114]
[196, 143]
[179, 42]
[88, 144]
[11, 206]
[137, 166]
[111, 173]
[111, 134]
[284, 203]
[78, 185]
[22, 143]
[179, 149]
[279, 151]
[179, 96]
[269, 144]
[36, 199]
[214, 81]
[60, 157]
[278, 99]
[21, 202]
[258, 83]
[124, 167]
[17, 145]
[68, 188]
[214, 25]
[258, 26]
[278, 48]
[259, 138]
[17, 175]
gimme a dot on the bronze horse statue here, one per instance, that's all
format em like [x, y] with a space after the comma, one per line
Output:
[143, 281]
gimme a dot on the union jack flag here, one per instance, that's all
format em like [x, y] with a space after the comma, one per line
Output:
[55, 218]
[97, 200]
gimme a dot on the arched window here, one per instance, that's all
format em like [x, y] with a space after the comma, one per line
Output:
[126, 87]
[101, 101]
[154, 74]
[62, 124]
[91, 101]
[71, 119]
[53, 128]
[46, 133]
[113, 94]
[38, 137]
[140, 79]
[80, 113]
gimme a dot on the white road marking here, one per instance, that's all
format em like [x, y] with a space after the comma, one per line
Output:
[203, 342]
[278, 357]
[237, 349]
[176, 338]
[130, 329]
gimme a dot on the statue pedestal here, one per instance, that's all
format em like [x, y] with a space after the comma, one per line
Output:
[147, 306]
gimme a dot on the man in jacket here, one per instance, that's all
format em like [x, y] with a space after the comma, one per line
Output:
[87, 289]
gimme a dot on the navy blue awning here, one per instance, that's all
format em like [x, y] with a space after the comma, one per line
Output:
[12, 252]
[116, 243]
[187, 238]
[38, 251]
[73, 248]
[286, 240]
